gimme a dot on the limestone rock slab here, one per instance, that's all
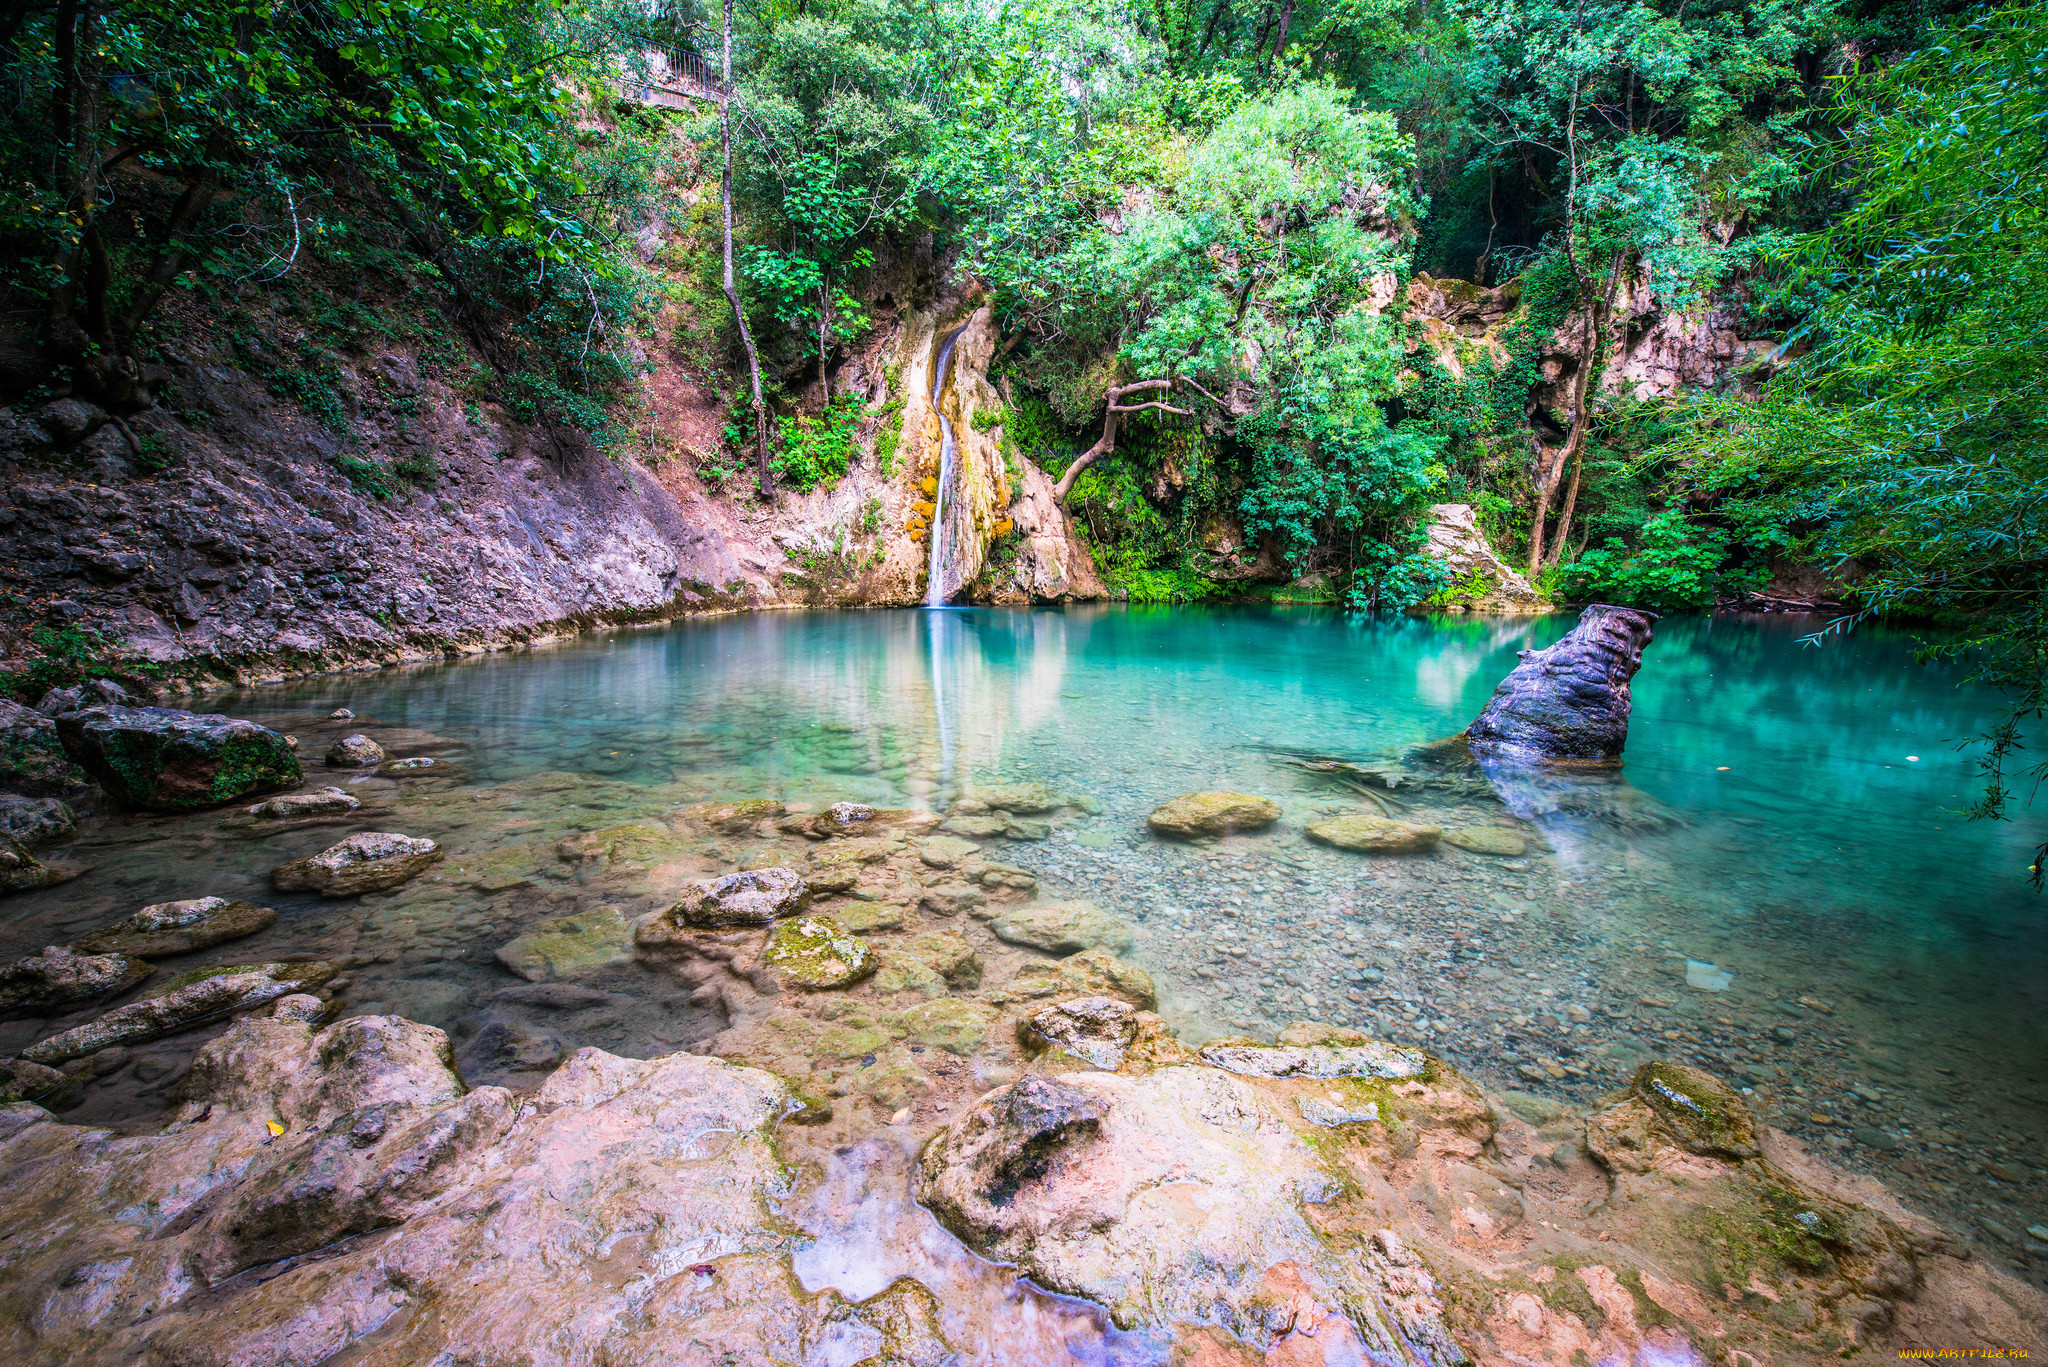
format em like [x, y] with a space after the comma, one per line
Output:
[372, 861]
[178, 928]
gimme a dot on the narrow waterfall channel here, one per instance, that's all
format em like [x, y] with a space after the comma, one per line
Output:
[942, 540]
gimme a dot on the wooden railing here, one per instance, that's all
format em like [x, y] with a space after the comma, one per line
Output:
[674, 77]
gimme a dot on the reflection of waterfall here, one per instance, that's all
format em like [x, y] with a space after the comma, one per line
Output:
[942, 535]
[940, 655]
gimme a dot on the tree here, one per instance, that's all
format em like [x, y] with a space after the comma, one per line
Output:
[1629, 118]
[1911, 436]
[142, 128]
[764, 475]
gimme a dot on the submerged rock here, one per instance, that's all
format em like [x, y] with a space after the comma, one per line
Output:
[1200, 815]
[950, 1023]
[162, 759]
[32, 757]
[195, 998]
[178, 928]
[372, 861]
[1091, 973]
[1096, 1030]
[734, 818]
[1366, 834]
[21, 871]
[1494, 840]
[354, 752]
[1570, 700]
[1022, 799]
[755, 897]
[817, 952]
[566, 946]
[1358, 1058]
[319, 802]
[1063, 928]
[60, 978]
[35, 820]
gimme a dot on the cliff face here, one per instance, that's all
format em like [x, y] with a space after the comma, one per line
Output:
[251, 553]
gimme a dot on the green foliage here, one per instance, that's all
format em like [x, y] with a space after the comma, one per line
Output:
[818, 450]
[1912, 438]
[888, 438]
[1675, 564]
[367, 476]
[64, 656]
[150, 141]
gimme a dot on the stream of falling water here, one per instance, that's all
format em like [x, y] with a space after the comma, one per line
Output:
[942, 541]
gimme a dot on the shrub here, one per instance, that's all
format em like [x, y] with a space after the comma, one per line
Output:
[1675, 565]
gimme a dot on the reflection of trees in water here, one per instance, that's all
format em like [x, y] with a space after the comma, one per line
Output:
[778, 698]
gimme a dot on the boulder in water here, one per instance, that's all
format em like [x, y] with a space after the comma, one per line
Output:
[1363, 834]
[373, 861]
[178, 928]
[35, 820]
[32, 758]
[1198, 815]
[1570, 700]
[204, 994]
[1495, 840]
[354, 752]
[319, 802]
[754, 897]
[61, 978]
[162, 759]
[817, 952]
[1063, 928]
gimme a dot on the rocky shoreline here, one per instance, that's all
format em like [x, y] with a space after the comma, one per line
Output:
[1321, 1200]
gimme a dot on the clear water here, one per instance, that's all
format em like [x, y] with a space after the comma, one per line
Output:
[1886, 956]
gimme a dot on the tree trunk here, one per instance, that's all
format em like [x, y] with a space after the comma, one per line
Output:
[763, 474]
[1564, 518]
[1103, 446]
[1114, 408]
[1551, 473]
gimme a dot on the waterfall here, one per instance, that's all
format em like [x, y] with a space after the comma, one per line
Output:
[942, 540]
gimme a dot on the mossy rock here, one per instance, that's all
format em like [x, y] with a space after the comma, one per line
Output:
[1704, 1114]
[1363, 834]
[951, 956]
[163, 759]
[734, 818]
[1201, 815]
[565, 946]
[818, 953]
[949, 1023]
[1494, 840]
[851, 1038]
[900, 972]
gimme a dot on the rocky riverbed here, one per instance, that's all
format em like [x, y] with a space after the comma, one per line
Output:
[949, 1037]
